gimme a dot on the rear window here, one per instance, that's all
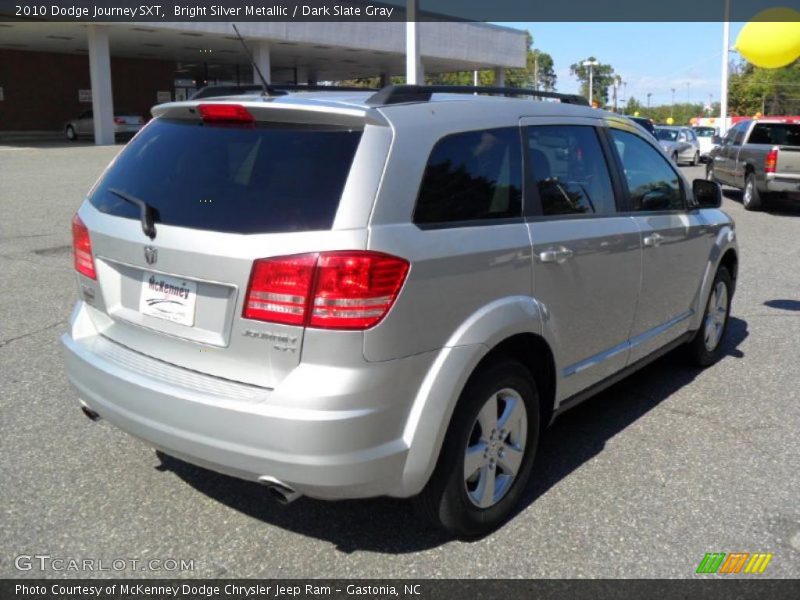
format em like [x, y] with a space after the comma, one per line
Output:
[778, 134]
[270, 178]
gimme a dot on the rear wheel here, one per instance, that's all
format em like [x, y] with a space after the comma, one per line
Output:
[706, 347]
[695, 159]
[751, 198]
[488, 453]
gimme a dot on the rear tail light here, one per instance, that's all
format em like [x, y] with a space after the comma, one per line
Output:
[82, 248]
[119, 120]
[225, 113]
[330, 290]
[771, 162]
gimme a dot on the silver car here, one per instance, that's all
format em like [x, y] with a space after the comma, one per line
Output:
[348, 295]
[125, 123]
[680, 143]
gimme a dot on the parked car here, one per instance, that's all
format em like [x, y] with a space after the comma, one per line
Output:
[406, 321]
[125, 123]
[760, 157]
[646, 123]
[706, 138]
[680, 143]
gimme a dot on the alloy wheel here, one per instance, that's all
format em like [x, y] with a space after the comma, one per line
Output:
[495, 448]
[716, 316]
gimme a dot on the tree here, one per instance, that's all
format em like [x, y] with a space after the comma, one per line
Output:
[602, 75]
[753, 90]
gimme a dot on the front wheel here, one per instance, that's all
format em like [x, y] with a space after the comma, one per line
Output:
[695, 159]
[710, 172]
[70, 132]
[675, 158]
[488, 452]
[706, 347]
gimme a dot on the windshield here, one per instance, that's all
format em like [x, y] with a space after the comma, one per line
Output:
[704, 131]
[268, 178]
[668, 135]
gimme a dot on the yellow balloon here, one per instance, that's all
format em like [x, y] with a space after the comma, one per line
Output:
[636, 114]
[670, 120]
[772, 39]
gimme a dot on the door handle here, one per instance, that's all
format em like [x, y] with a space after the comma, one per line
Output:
[555, 255]
[653, 240]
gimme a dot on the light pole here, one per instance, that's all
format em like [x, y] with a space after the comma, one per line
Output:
[688, 94]
[648, 100]
[591, 63]
[672, 107]
[726, 42]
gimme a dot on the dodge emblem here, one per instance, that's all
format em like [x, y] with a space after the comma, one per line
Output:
[150, 255]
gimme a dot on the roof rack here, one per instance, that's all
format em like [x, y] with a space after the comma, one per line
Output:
[275, 89]
[397, 94]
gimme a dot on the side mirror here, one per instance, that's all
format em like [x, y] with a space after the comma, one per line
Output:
[716, 140]
[707, 194]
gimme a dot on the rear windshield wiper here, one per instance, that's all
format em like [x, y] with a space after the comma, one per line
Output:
[147, 212]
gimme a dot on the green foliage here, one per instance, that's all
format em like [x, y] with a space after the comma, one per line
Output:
[754, 90]
[603, 76]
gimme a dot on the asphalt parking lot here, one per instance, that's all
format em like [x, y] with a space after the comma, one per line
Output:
[640, 481]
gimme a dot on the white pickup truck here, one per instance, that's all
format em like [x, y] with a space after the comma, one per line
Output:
[760, 157]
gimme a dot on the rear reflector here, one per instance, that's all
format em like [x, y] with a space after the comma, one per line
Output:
[330, 290]
[771, 162]
[82, 248]
[225, 113]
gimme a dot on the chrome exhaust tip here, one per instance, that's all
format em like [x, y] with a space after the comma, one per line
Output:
[92, 415]
[280, 491]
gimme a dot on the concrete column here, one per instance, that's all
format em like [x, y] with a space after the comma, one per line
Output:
[383, 79]
[302, 75]
[499, 77]
[262, 59]
[414, 72]
[100, 76]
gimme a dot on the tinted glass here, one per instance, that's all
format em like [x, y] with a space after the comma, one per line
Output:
[704, 131]
[652, 182]
[668, 135]
[271, 178]
[776, 134]
[569, 170]
[739, 132]
[471, 176]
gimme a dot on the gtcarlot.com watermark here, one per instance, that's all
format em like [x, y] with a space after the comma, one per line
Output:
[59, 564]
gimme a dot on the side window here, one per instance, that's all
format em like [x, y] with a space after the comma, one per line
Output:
[471, 176]
[568, 169]
[741, 130]
[652, 182]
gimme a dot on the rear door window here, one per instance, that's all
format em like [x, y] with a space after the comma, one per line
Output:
[269, 178]
[568, 170]
[776, 134]
[472, 176]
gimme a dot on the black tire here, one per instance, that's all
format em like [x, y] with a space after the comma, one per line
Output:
[698, 351]
[710, 172]
[695, 159]
[72, 136]
[751, 197]
[444, 502]
[675, 158]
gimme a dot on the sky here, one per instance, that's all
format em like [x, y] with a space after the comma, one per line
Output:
[650, 57]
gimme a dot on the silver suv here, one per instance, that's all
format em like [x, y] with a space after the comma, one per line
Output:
[345, 295]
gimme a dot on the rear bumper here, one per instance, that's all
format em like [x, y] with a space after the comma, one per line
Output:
[353, 449]
[783, 185]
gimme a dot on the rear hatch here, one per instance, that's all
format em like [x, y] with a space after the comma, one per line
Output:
[221, 193]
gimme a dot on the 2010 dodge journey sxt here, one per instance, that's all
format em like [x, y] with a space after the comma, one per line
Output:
[347, 294]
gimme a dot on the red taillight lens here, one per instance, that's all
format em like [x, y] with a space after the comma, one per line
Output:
[225, 113]
[330, 290]
[355, 290]
[82, 248]
[771, 162]
[119, 120]
[279, 289]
